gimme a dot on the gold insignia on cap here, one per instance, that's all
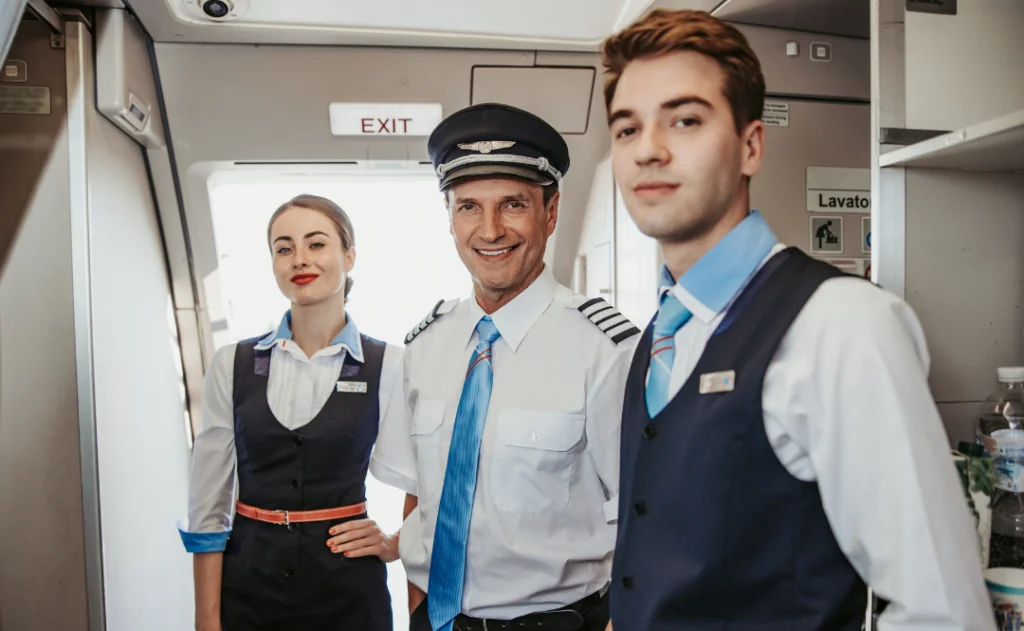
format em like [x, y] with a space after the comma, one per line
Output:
[486, 146]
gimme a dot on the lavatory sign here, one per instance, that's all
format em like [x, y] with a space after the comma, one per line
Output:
[838, 190]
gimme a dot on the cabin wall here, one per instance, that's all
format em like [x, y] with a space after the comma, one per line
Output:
[42, 557]
[141, 429]
[215, 121]
[951, 82]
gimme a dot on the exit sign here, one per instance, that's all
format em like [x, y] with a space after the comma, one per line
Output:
[384, 119]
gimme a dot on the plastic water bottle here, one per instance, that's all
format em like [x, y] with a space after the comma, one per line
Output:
[1001, 431]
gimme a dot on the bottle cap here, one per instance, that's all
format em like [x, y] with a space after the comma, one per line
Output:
[1010, 374]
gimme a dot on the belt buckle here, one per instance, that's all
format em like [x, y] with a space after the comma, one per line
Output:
[286, 518]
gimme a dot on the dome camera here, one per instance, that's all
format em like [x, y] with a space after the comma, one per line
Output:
[217, 9]
[214, 10]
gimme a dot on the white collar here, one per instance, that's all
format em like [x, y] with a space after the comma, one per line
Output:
[515, 319]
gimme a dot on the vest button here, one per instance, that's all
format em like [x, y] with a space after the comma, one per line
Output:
[288, 572]
[293, 527]
[298, 441]
[649, 432]
[295, 484]
[640, 508]
[627, 582]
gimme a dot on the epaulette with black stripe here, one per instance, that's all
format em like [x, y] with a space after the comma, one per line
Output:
[442, 307]
[607, 318]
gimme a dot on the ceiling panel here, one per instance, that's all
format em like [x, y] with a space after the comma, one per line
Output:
[526, 24]
[834, 17]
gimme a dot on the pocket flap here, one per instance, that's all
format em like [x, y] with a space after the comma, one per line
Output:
[538, 429]
[428, 417]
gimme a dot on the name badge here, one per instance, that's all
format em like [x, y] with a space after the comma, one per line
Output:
[358, 387]
[723, 381]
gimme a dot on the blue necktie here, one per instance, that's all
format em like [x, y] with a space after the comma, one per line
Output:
[671, 315]
[448, 560]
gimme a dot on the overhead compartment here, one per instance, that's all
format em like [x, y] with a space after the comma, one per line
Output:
[561, 96]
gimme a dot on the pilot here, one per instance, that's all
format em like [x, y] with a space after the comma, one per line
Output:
[780, 444]
[295, 414]
[504, 433]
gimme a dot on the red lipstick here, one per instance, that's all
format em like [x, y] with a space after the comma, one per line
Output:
[304, 279]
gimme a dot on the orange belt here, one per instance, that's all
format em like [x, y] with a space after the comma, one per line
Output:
[285, 518]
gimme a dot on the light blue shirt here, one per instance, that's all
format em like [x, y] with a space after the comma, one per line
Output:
[717, 277]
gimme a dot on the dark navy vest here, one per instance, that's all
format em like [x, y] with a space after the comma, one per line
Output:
[278, 577]
[322, 464]
[714, 534]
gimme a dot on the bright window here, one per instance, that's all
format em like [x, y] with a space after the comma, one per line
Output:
[405, 262]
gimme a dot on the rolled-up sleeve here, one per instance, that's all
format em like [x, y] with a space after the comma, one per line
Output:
[212, 475]
[394, 459]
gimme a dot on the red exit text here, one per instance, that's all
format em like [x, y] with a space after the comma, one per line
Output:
[386, 125]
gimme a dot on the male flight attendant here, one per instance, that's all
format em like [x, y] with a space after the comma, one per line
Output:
[505, 434]
[780, 446]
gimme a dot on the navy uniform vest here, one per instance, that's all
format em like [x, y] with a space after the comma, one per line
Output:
[714, 533]
[285, 577]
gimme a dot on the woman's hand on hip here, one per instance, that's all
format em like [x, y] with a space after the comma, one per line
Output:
[363, 537]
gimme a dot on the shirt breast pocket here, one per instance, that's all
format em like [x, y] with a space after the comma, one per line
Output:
[426, 436]
[534, 459]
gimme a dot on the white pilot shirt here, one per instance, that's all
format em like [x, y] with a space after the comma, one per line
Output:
[846, 403]
[542, 528]
[297, 389]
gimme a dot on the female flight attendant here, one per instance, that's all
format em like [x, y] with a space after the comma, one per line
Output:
[295, 414]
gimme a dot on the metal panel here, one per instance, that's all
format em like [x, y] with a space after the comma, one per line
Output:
[42, 585]
[835, 17]
[965, 270]
[128, 270]
[567, 25]
[951, 81]
[888, 186]
[847, 75]
[561, 96]
[78, 49]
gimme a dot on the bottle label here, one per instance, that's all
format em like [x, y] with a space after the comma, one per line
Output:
[1009, 459]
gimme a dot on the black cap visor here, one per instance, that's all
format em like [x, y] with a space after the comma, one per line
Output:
[479, 171]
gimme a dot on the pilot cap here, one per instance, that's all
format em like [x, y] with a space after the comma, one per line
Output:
[492, 139]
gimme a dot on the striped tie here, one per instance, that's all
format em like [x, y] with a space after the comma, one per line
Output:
[671, 315]
[448, 561]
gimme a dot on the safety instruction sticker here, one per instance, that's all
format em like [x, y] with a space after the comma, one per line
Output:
[826, 235]
[865, 235]
[14, 71]
[776, 114]
[24, 99]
